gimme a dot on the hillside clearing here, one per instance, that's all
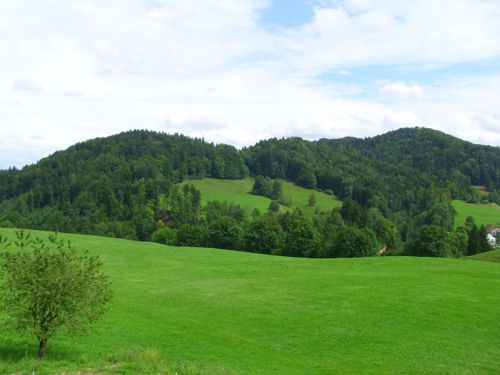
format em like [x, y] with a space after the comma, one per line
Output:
[483, 214]
[238, 191]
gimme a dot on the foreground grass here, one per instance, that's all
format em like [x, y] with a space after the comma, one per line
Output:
[482, 213]
[238, 191]
[257, 314]
[490, 256]
[130, 361]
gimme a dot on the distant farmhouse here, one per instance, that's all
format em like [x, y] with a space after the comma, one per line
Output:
[492, 234]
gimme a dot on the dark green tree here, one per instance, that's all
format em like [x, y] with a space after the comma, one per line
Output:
[262, 186]
[387, 233]
[225, 233]
[458, 243]
[430, 241]
[312, 200]
[255, 213]
[304, 239]
[352, 242]
[352, 212]
[144, 222]
[274, 206]
[192, 235]
[483, 243]
[473, 242]
[277, 189]
[307, 178]
[469, 221]
[264, 235]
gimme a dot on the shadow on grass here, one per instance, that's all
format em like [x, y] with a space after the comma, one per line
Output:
[15, 350]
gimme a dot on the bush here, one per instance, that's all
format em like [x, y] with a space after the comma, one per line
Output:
[6, 224]
[165, 236]
[274, 206]
[192, 235]
[225, 233]
[328, 192]
[430, 241]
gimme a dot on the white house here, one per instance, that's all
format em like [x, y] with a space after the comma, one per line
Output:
[492, 235]
[491, 239]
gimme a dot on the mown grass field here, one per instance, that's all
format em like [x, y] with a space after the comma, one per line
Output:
[238, 191]
[483, 213]
[258, 314]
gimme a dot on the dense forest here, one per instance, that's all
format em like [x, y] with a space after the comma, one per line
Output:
[396, 189]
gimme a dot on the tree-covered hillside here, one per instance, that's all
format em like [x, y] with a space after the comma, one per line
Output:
[104, 185]
[391, 185]
[402, 173]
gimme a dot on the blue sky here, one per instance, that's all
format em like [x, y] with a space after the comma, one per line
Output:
[288, 13]
[237, 71]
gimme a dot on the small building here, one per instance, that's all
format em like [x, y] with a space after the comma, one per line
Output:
[491, 239]
[492, 234]
[492, 229]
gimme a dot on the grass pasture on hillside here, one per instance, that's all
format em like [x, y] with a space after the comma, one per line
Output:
[258, 314]
[238, 191]
[489, 256]
[482, 213]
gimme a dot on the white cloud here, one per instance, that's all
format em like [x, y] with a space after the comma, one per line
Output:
[27, 84]
[397, 32]
[207, 68]
[179, 122]
[400, 90]
[396, 120]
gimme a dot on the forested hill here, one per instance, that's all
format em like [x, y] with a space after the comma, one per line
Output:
[104, 180]
[432, 152]
[121, 185]
[385, 166]
[122, 158]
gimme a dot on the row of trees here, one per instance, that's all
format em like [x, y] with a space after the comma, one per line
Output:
[229, 226]
[176, 216]
[349, 231]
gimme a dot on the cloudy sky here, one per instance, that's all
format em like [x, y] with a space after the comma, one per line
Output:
[237, 71]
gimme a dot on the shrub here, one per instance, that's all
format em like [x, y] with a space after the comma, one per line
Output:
[165, 236]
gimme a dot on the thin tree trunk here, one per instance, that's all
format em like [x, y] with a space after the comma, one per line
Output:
[41, 349]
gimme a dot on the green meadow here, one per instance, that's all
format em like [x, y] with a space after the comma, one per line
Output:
[257, 314]
[238, 191]
[483, 213]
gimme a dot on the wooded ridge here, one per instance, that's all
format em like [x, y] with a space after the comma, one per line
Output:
[125, 185]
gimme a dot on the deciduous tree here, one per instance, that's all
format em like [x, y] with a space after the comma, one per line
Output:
[49, 287]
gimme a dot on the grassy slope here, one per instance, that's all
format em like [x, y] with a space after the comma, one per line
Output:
[483, 213]
[238, 191]
[490, 256]
[261, 314]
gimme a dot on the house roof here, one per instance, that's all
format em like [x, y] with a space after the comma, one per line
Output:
[490, 228]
